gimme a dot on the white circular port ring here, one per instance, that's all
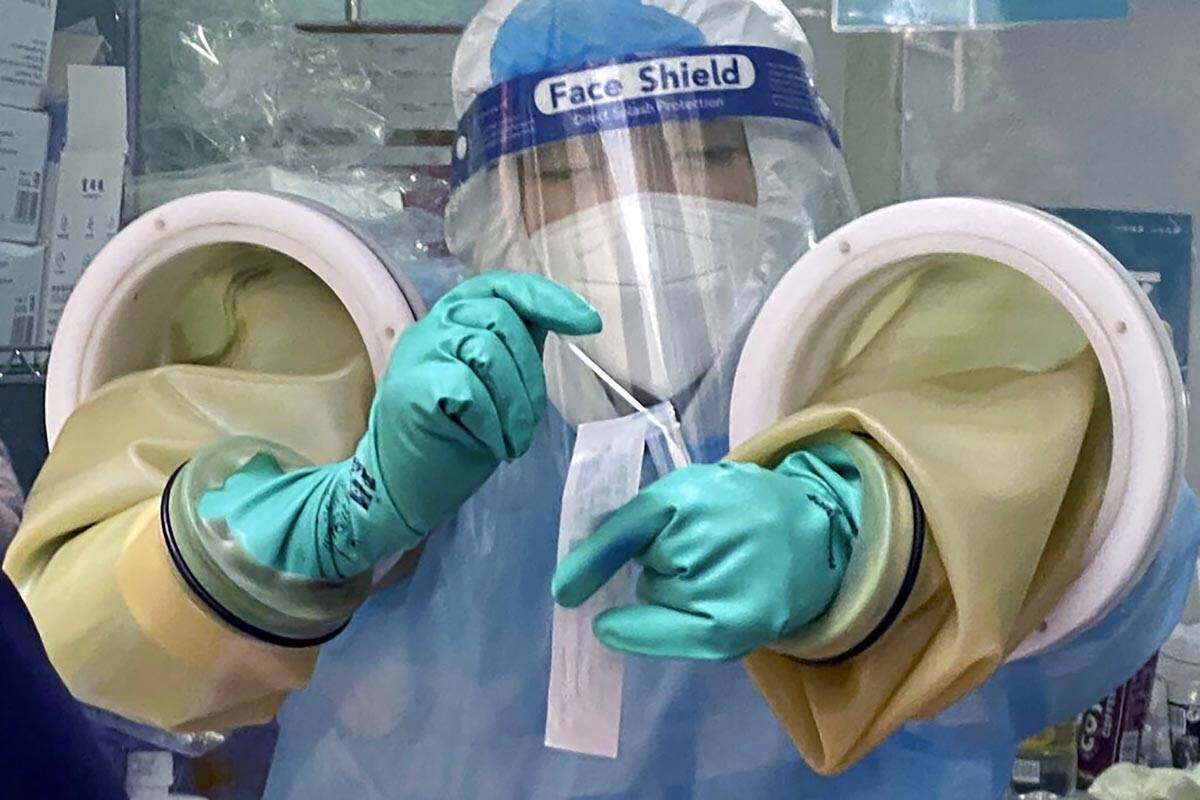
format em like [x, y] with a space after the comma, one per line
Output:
[379, 300]
[793, 341]
[349, 264]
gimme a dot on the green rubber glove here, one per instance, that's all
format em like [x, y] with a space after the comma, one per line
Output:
[734, 556]
[464, 391]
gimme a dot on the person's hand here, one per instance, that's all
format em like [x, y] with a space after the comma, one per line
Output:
[734, 556]
[464, 391]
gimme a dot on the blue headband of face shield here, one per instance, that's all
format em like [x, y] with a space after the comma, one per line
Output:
[567, 68]
[683, 84]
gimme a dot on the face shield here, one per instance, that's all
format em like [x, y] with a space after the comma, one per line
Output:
[671, 189]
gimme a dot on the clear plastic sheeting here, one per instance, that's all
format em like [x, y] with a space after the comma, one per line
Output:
[186, 744]
[1055, 116]
[237, 82]
[12, 499]
[235, 96]
[355, 193]
[850, 15]
[411, 11]
[379, 204]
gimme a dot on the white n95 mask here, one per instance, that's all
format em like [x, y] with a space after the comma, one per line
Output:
[663, 271]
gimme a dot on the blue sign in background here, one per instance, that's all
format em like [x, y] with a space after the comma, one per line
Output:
[1157, 249]
[943, 14]
[505, 119]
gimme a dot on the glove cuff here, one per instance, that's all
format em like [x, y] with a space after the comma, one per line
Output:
[883, 566]
[282, 609]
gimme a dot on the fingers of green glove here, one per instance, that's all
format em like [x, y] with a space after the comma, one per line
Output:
[622, 537]
[500, 319]
[659, 631]
[493, 364]
[542, 303]
[462, 397]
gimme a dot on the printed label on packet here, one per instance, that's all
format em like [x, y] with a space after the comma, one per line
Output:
[1185, 733]
[1111, 730]
[1026, 772]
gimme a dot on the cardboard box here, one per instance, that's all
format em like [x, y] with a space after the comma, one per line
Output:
[20, 286]
[25, 35]
[86, 211]
[71, 47]
[23, 140]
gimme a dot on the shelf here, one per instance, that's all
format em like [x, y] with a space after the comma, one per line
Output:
[23, 364]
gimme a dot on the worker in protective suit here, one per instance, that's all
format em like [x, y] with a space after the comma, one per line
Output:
[675, 231]
[200, 594]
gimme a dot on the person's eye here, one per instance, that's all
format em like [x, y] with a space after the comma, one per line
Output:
[556, 175]
[573, 173]
[713, 154]
[722, 154]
